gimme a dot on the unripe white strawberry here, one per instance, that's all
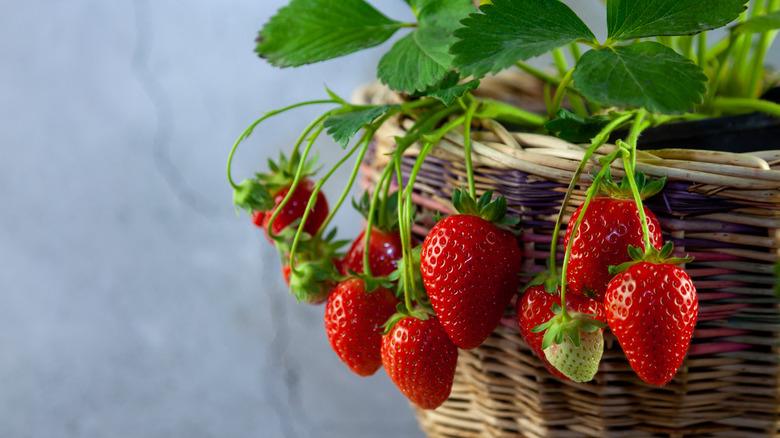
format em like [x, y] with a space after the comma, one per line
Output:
[581, 363]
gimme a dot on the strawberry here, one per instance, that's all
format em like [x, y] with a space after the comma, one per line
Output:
[385, 247]
[420, 359]
[469, 268]
[262, 196]
[384, 250]
[534, 308]
[353, 323]
[577, 359]
[609, 226]
[652, 309]
[294, 209]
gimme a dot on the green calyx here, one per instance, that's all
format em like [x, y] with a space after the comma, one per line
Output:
[312, 273]
[417, 290]
[650, 255]
[311, 281]
[491, 211]
[647, 187]
[422, 313]
[568, 324]
[258, 194]
[252, 195]
[385, 214]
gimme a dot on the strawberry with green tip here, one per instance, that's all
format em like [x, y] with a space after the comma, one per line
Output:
[470, 268]
[652, 308]
[535, 307]
[573, 343]
[354, 320]
[611, 224]
[420, 359]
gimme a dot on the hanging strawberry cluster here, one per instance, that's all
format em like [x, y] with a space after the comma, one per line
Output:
[408, 306]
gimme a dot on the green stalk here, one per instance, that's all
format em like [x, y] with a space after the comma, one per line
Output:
[723, 61]
[746, 105]
[759, 57]
[560, 93]
[596, 143]
[533, 71]
[406, 236]
[294, 184]
[560, 61]
[633, 136]
[384, 181]
[365, 140]
[248, 131]
[467, 148]
[313, 199]
[592, 190]
[638, 200]
[701, 50]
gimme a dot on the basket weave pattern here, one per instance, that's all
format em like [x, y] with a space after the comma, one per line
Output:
[721, 208]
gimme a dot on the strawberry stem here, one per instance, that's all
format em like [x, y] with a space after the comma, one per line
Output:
[592, 190]
[472, 107]
[384, 181]
[559, 94]
[596, 143]
[298, 172]
[248, 131]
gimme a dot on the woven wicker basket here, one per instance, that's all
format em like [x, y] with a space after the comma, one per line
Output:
[728, 385]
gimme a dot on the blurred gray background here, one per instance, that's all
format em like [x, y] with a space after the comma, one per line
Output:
[133, 301]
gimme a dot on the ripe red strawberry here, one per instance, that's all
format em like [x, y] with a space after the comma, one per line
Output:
[353, 323]
[420, 359]
[470, 270]
[610, 225]
[262, 196]
[534, 308]
[295, 208]
[383, 253]
[652, 309]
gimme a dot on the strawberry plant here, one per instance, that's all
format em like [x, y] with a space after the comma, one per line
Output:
[660, 64]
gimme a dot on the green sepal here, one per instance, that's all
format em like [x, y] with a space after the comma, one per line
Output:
[647, 187]
[402, 312]
[386, 220]
[650, 256]
[371, 283]
[312, 281]
[568, 325]
[492, 211]
[252, 195]
[282, 173]
[575, 128]
[418, 293]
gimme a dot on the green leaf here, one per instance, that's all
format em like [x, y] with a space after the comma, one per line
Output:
[307, 31]
[577, 129]
[448, 95]
[628, 19]
[759, 24]
[344, 126]
[422, 59]
[645, 74]
[511, 30]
